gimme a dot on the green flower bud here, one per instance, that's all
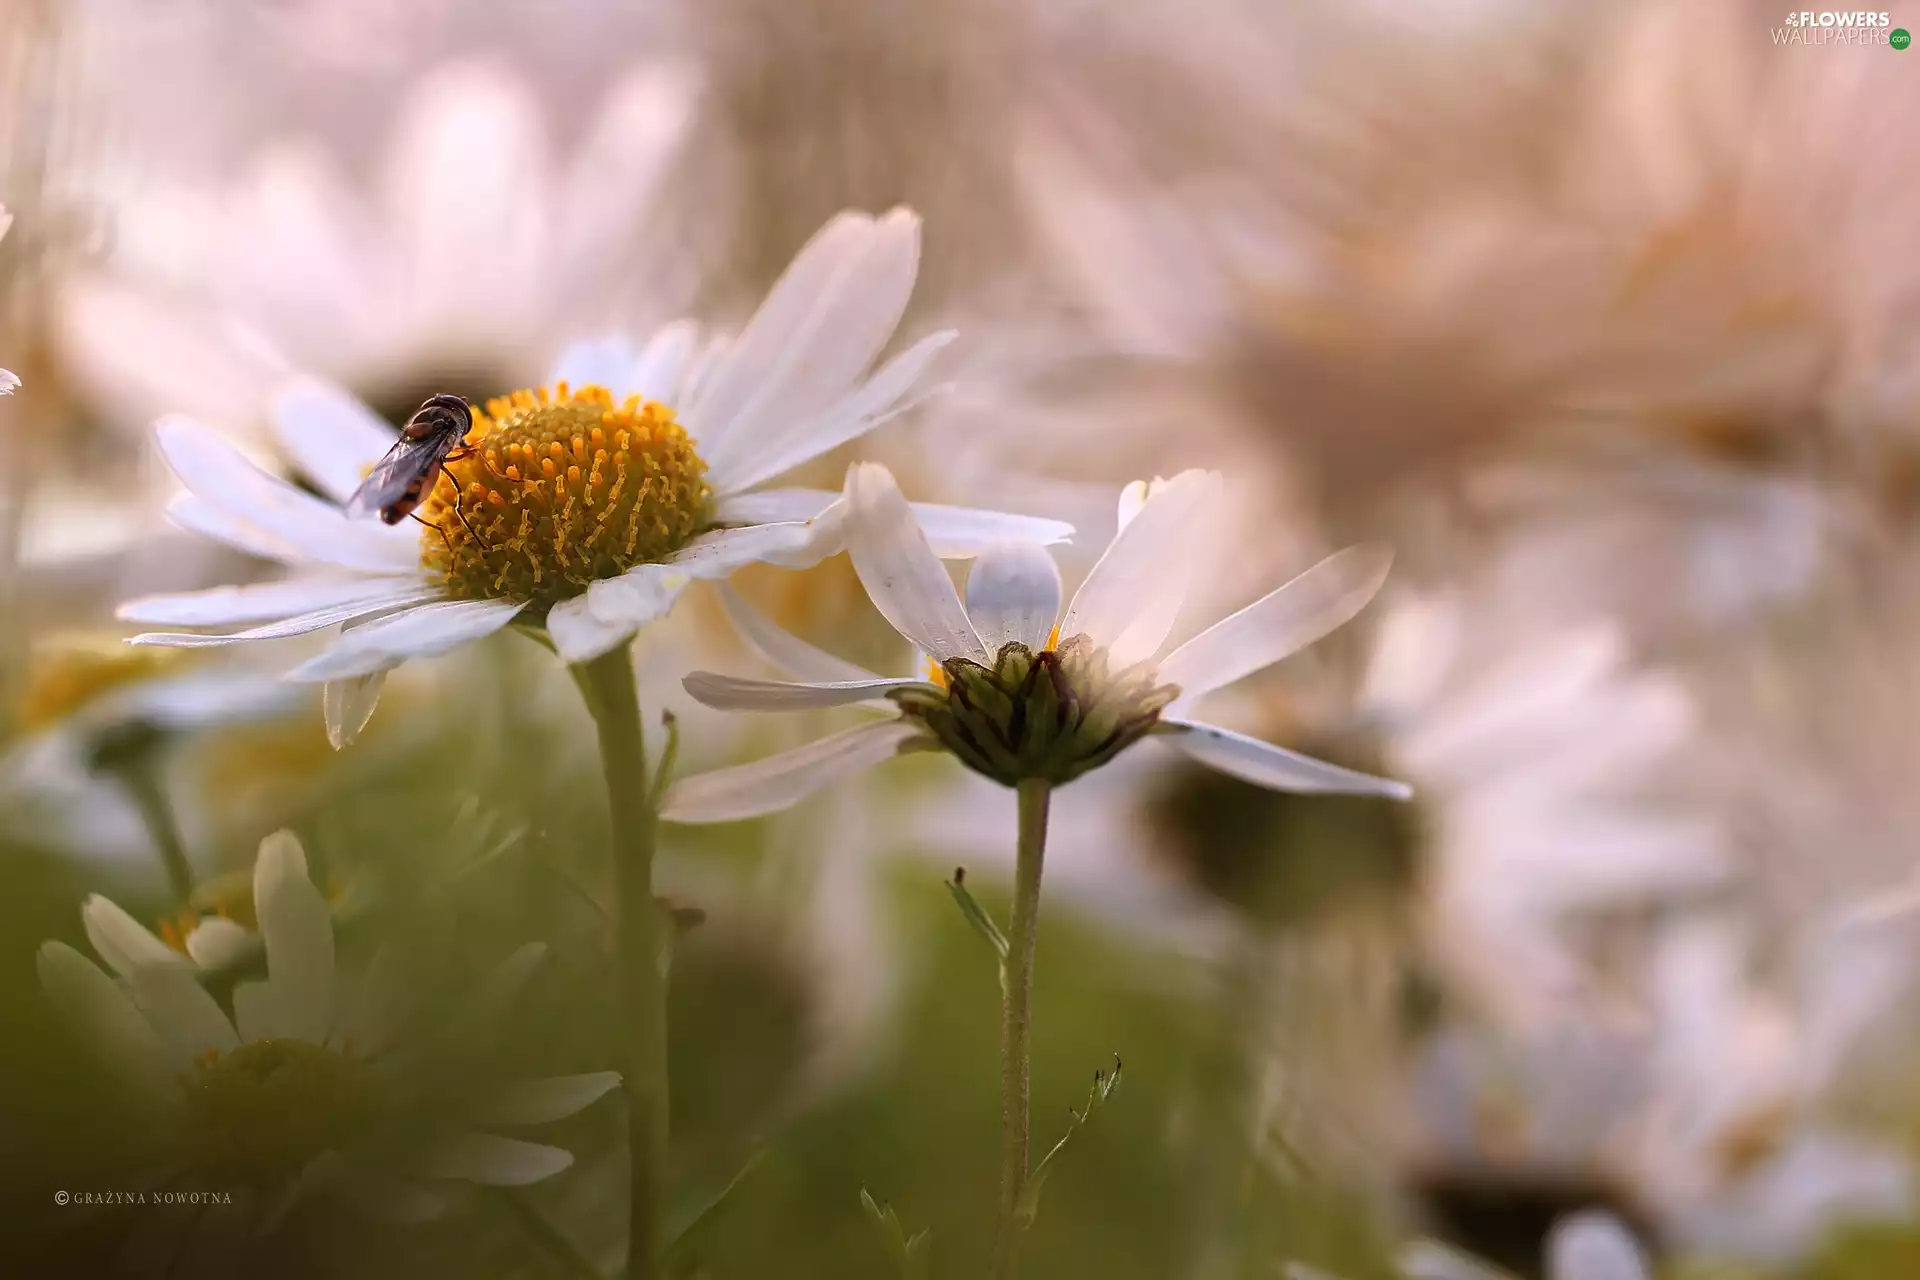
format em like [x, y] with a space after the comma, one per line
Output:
[1050, 716]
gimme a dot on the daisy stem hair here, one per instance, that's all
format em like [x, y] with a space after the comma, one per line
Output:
[607, 684]
[1016, 1022]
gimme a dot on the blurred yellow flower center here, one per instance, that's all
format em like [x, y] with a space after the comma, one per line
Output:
[62, 682]
[564, 488]
[256, 1116]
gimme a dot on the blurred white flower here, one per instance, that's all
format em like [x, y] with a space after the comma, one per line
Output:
[1540, 755]
[94, 709]
[1736, 1148]
[311, 1085]
[1710, 1108]
[616, 552]
[1122, 614]
[1580, 1246]
[475, 258]
[8, 379]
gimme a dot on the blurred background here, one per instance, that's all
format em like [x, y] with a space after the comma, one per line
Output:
[1606, 315]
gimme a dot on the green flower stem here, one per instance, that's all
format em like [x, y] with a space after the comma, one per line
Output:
[1016, 1023]
[607, 684]
[139, 777]
[542, 1233]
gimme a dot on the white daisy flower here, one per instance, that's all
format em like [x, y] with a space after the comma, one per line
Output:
[585, 508]
[96, 722]
[1546, 761]
[214, 293]
[309, 1083]
[1003, 690]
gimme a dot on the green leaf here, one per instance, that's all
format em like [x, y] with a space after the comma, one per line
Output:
[977, 915]
[1104, 1083]
[680, 1257]
[911, 1256]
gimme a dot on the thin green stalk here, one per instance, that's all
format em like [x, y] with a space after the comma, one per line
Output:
[140, 778]
[1016, 1023]
[607, 685]
[543, 1233]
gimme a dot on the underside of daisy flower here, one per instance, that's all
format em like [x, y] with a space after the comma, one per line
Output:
[563, 488]
[1049, 716]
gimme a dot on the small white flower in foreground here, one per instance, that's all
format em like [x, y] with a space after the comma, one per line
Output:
[307, 1086]
[1016, 689]
[585, 508]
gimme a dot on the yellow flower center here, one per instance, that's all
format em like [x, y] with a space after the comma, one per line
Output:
[258, 1115]
[62, 682]
[563, 488]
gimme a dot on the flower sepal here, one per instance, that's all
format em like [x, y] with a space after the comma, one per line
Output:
[1051, 716]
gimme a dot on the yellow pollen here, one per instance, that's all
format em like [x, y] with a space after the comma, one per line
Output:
[564, 488]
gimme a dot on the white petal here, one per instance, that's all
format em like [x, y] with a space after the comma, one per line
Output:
[457, 193]
[348, 704]
[333, 438]
[957, 533]
[801, 440]
[9, 382]
[490, 1160]
[297, 929]
[903, 577]
[424, 631]
[219, 474]
[543, 1101]
[1266, 765]
[262, 601]
[781, 781]
[196, 515]
[820, 328]
[183, 1012]
[217, 943]
[791, 546]
[1280, 622]
[597, 362]
[258, 1011]
[783, 649]
[1594, 1246]
[773, 506]
[1013, 594]
[660, 372]
[1133, 596]
[954, 533]
[737, 693]
[102, 1013]
[378, 1196]
[300, 624]
[1431, 1260]
[120, 940]
[579, 636]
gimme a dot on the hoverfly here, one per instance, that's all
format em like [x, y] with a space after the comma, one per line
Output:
[400, 481]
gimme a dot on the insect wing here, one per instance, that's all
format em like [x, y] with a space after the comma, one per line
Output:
[394, 475]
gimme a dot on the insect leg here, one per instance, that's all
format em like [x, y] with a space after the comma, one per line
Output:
[469, 528]
[436, 528]
[464, 451]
